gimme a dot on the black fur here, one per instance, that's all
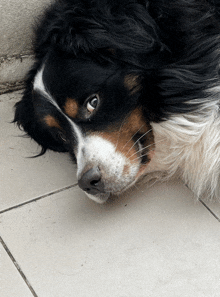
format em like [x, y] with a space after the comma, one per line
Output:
[171, 45]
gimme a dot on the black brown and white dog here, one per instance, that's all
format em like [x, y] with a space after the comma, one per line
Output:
[128, 88]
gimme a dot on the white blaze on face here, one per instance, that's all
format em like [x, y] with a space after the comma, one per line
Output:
[117, 171]
[101, 152]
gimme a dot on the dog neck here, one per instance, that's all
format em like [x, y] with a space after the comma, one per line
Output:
[187, 146]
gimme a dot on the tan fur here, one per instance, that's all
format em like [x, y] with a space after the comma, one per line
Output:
[132, 83]
[71, 107]
[51, 122]
[122, 138]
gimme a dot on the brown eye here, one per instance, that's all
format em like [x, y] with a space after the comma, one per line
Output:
[92, 103]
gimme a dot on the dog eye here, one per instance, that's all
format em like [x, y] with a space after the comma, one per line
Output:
[92, 103]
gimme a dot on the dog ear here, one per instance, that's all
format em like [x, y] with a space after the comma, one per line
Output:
[174, 90]
[88, 26]
[150, 97]
[39, 122]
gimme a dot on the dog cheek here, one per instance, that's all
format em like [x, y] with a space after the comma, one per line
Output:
[122, 144]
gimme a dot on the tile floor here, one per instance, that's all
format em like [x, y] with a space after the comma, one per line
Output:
[55, 242]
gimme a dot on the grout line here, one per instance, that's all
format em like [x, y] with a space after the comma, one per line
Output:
[38, 198]
[206, 206]
[215, 216]
[18, 267]
[6, 88]
[20, 57]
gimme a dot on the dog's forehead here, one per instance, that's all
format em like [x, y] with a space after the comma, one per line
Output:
[72, 81]
[71, 77]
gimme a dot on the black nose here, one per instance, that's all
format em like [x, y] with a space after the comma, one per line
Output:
[91, 181]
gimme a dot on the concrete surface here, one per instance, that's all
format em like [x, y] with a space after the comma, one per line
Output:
[17, 19]
[55, 242]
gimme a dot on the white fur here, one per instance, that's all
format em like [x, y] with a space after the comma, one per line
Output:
[97, 198]
[189, 146]
[102, 153]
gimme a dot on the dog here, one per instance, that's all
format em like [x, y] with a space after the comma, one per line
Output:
[130, 89]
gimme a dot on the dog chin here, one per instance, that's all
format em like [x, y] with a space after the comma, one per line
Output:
[103, 197]
[99, 198]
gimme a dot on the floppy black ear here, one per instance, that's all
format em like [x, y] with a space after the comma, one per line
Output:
[151, 98]
[87, 26]
[175, 90]
[33, 113]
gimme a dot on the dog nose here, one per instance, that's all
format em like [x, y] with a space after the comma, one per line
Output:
[91, 181]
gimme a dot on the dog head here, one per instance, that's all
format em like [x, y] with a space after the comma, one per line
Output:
[93, 112]
[100, 79]
[84, 93]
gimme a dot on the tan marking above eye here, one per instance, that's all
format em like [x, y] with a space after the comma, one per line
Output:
[71, 107]
[132, 83]
[51, 122]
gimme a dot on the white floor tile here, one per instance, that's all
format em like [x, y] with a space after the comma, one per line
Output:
[23, 178]
[11, 283]
[157, 242]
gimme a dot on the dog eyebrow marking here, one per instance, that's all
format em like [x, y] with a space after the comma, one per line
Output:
[52, 122]
[132, 83]
[71, 107]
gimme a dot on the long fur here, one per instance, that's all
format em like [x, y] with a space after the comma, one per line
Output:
[189, 147]
[174, 48]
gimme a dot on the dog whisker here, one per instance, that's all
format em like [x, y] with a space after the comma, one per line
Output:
[139, 157]
[150, 145]
[132, 137]
[138, 140]
[143, 148]
[119, 132]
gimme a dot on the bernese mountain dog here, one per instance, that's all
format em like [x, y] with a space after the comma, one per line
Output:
[130, 88]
